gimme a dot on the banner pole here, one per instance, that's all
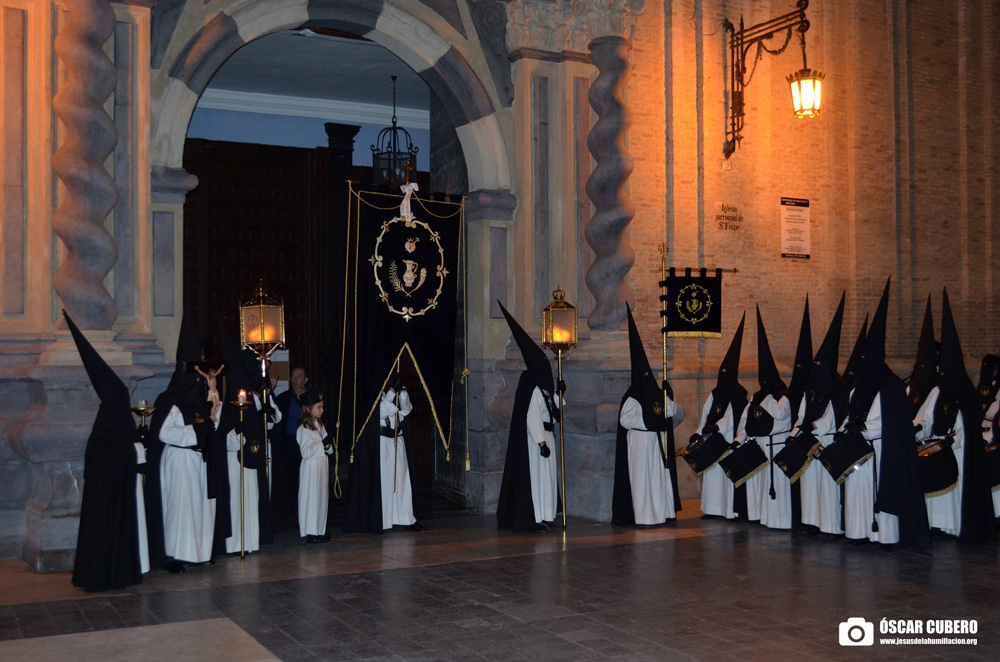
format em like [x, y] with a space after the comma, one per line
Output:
[664, 251]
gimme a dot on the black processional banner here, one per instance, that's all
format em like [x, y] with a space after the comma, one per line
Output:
[401, 298]
[693, 304]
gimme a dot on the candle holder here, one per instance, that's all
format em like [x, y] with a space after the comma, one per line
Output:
[241, 404]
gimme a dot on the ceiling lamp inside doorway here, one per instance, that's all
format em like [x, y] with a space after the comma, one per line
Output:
[394, 157]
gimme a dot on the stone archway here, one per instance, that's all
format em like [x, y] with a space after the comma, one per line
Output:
[420, 38]
[410, 37]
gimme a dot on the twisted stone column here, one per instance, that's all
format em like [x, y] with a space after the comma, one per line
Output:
[613, 209]
[89, 136]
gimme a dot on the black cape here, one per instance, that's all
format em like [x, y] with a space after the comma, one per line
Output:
[899, 489]
[622, 512]
[515, 509]
[978, 519]
[107, 548]
[364, 486]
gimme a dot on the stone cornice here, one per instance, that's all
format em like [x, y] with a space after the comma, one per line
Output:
[558, 26]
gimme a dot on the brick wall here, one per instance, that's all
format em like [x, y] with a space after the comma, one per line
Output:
[900, 170]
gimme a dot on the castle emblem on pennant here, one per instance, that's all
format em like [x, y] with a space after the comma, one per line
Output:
[694, 303]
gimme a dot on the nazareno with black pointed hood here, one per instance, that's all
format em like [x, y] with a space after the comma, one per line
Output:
[107, 547]
[924, 376]
[650, 396]
[187, 391]
[989, 380]
[797, 387]
[240, 365]
[898, 490]
[727, 393]
[515, 508]
[825, 384]
[958, 395]
[759, 421]
[851, 367]
[803, 361]
[727, 389]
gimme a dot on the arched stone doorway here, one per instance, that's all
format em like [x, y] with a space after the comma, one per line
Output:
[419, 37]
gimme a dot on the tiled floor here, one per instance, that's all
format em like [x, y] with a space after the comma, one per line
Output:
[707, 590]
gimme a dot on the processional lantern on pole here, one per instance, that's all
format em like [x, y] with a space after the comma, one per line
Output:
[262, 325]
[262, 330]
[559, 333]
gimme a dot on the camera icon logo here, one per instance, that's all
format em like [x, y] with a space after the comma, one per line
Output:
[857, 632]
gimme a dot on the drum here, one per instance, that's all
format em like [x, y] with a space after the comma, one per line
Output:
[848, 451]
[704, 453]
[993, 465]
[797, 455]
[938, 467]
[743, 463]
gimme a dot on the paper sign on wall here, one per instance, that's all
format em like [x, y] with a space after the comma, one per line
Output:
[795, 228]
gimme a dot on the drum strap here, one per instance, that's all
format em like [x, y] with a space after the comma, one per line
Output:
[874, 489]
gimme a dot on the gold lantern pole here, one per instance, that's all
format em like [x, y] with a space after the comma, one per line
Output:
[241, 404]
[262, 329]
[559, 333]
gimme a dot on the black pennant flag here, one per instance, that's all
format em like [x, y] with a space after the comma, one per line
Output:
[694, 304]
[402, 297]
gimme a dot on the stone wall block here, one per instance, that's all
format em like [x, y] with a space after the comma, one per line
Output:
[489, 452]
[15, 396]
[580, 419]
[16, 481]
[46, 440]
[607, 418]
[90, 136]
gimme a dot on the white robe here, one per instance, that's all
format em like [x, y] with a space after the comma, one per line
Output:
[716, 488]
[991, 412]
[397, 489]
[652, 490]
[140, 511]
[314, 481]
[251, 497]
[859, 491]
[543, 470]
[188, 513]
[944, 512]
[818, 491]
[773, 513]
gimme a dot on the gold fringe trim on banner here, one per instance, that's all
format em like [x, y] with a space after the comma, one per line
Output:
[693, 334]
[951, 487]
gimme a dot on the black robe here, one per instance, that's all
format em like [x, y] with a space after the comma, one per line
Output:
[107, 548]
[364, 486]
[151, 494]
[978, 519]
[622, 511]
[516, 509]
[899, 490]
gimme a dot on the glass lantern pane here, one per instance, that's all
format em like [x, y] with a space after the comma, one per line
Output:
[796, 100]
[563, 325]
